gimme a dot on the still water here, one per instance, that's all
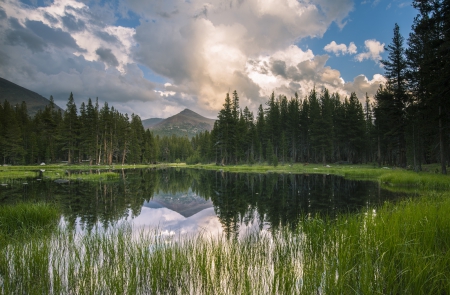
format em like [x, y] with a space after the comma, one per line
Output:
[190, 201]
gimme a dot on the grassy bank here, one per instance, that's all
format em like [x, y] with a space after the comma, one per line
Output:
[398, 249]
[387, 176]
[72, 172]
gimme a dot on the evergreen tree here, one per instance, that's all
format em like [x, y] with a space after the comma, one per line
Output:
[395, 71]
[69, 133]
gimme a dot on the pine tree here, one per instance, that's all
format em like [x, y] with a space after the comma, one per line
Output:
[69, 133]
[395, 71]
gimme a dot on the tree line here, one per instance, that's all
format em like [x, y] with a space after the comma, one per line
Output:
[90, 135]
[406, 124]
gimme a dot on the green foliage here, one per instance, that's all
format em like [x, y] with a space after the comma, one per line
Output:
[193, 159]
[275, 161]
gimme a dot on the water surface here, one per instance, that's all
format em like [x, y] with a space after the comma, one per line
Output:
[191, 201]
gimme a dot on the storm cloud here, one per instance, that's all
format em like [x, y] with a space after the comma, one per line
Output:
[51, 36]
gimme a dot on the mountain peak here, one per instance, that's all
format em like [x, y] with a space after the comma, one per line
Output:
[185, 123]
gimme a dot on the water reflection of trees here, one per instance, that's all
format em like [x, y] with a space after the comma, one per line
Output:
[274, 199]
[281, 200]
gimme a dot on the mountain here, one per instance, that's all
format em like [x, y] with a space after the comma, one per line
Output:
[184, 123]
[151, 122]
[16, 94]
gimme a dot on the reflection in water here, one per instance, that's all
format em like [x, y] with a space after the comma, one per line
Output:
[187, 200]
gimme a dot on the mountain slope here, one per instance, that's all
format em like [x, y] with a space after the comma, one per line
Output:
[185, 123]
[151, 122]
[15, 94]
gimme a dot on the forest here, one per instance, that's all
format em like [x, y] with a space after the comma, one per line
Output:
[406, 124]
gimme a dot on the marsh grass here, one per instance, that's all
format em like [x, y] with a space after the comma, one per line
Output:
[388, 177]
[400, 248]
[24, 220]
[59, 171]
[422, 180]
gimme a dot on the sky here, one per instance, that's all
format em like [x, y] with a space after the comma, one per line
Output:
[155, 58]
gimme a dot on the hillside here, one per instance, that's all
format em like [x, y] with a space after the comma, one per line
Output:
[185, 123]
[151, 122]
[15, 94]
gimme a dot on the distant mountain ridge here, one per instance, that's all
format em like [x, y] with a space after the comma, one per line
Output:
[186, 123]
[16, 94]
[151, 122]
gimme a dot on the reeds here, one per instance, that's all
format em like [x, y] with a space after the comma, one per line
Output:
[399, 248]
[24, 220]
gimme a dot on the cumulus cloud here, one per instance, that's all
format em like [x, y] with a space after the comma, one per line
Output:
[338, 49]
[107, 56]
[362, 86]
[373, 50]
[293, 70]
[51, 36]
[203, 49]
[208, 47]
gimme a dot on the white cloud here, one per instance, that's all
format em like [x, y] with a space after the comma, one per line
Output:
[203, 50]
[207, 48]
[361, 85]
[338, 49]
[286, 75]
[373, 50]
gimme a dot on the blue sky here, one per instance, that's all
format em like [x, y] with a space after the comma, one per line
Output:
[156, 57]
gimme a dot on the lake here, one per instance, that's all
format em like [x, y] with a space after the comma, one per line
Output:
[179, 201]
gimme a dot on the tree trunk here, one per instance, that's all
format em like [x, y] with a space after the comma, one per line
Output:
[441, 144]
[379, 152]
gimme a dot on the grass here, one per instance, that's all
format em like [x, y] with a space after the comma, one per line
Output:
[400, 248]
[428, 179]
[83, 172]
[24, 220]
[389, 177]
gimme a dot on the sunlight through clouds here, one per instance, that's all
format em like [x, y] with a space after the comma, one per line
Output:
[203, 49]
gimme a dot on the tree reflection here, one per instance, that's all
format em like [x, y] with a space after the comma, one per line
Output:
[238, 199]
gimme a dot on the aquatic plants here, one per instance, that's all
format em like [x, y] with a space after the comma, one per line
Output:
[400, 248]
[24, 220]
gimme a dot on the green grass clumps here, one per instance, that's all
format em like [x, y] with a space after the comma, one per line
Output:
[421, 180]
[23, 220]
[400, 248]
[101, 176]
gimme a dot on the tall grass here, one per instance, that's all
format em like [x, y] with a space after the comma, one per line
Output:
[400, 248]
[420, 180]
[22, 220]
